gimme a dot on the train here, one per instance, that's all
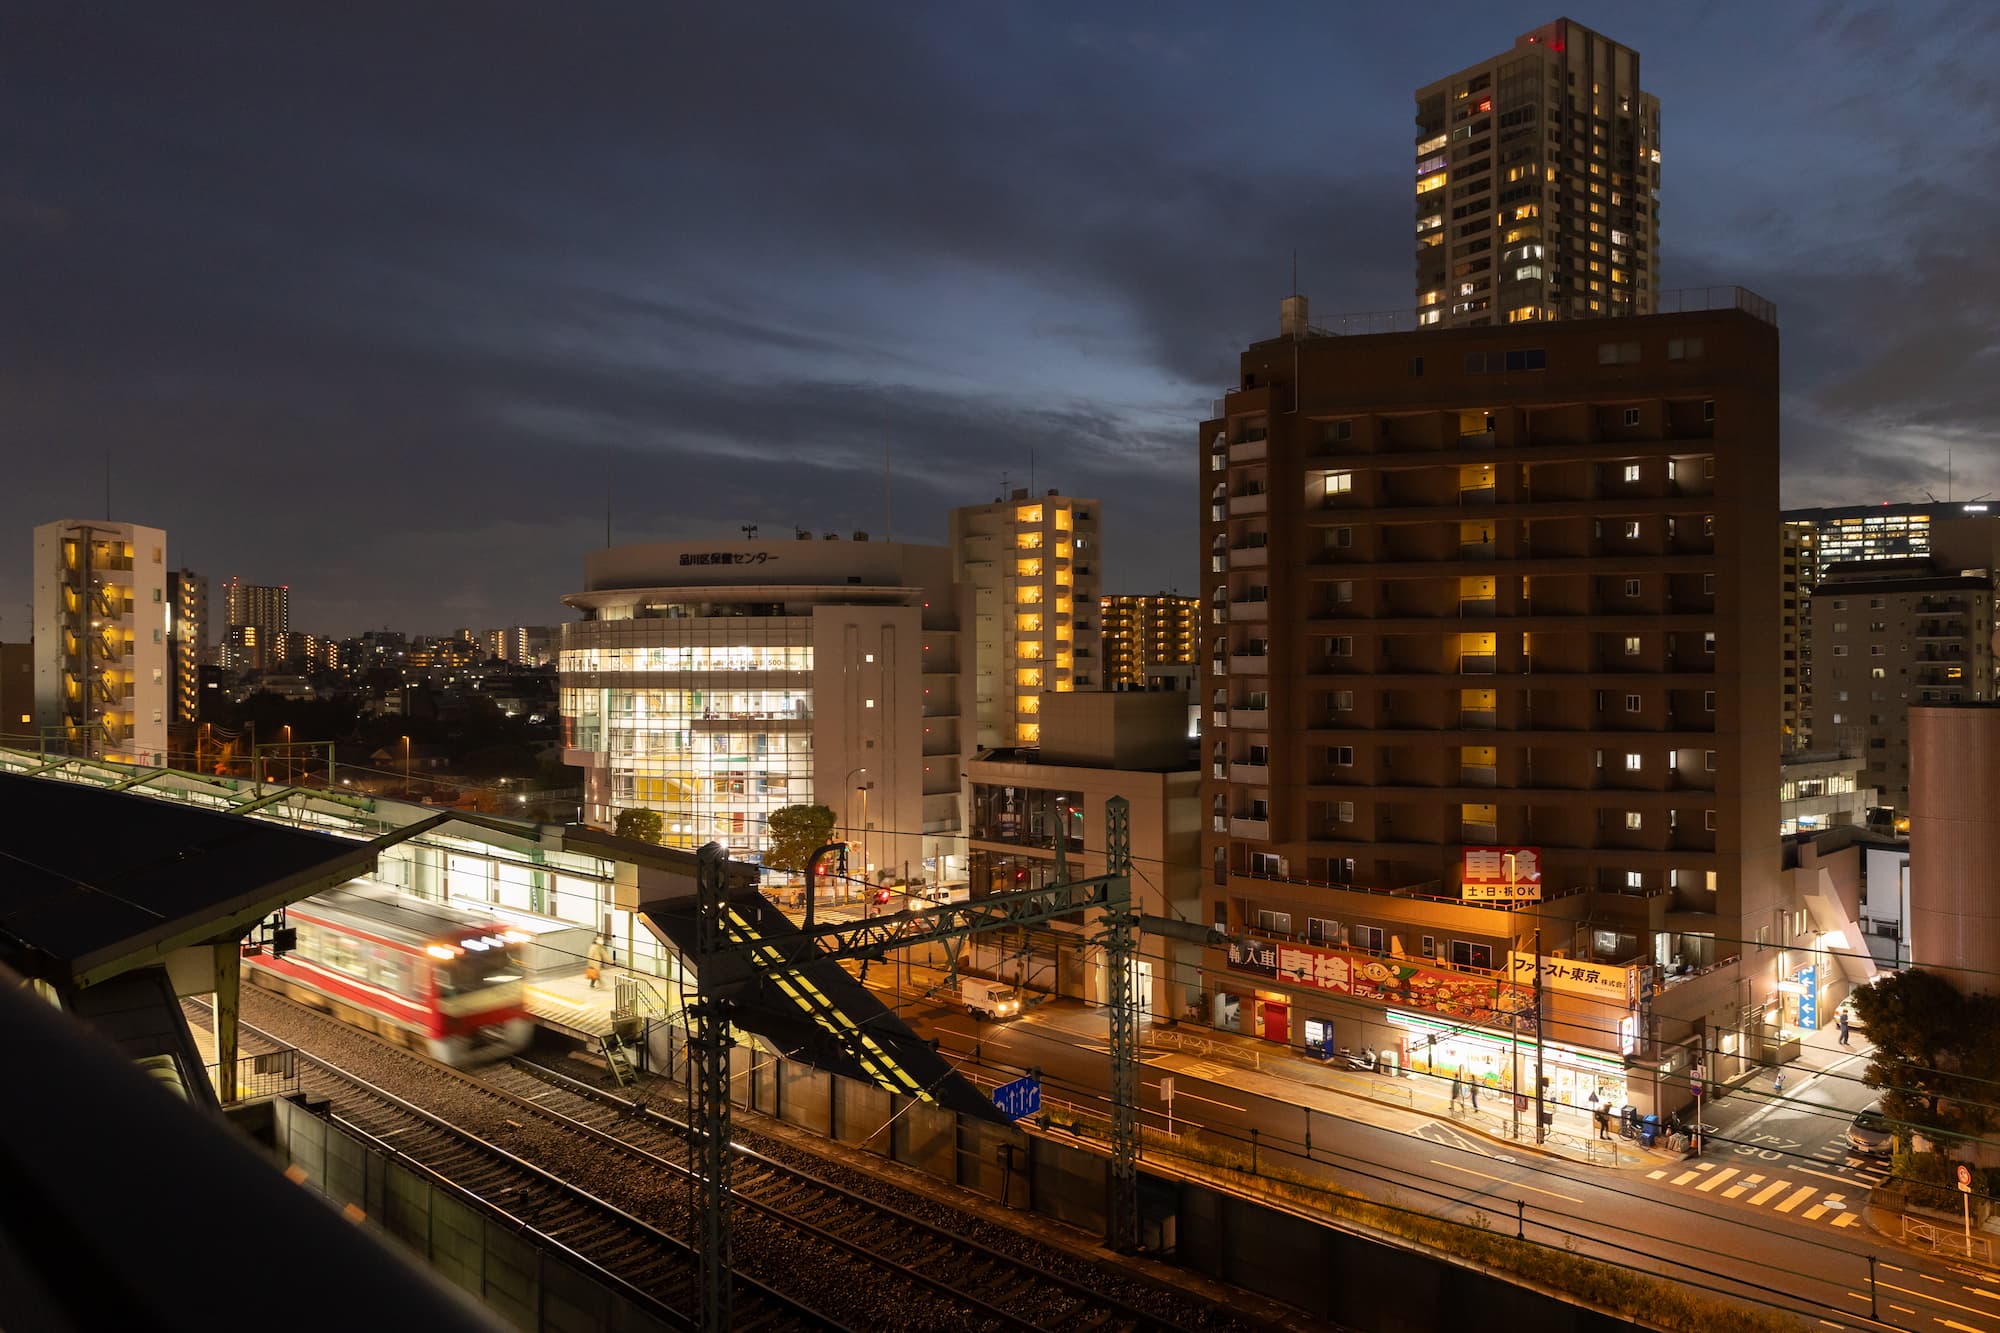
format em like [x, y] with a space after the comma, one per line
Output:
[437, 979]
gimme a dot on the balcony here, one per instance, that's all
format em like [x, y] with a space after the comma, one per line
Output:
[1479, 835]
[1478, 439]
[1478, 719]
[1255, 719]
[1478, 664]
[1244, 826]
[1478, 775]
[1251, 502]
[1248, 451]
[1249, 664]
[1245, 771]
[1478, 606]
[1475, 550]
[1250, 557]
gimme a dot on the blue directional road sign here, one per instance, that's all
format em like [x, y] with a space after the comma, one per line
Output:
[1021, 1097]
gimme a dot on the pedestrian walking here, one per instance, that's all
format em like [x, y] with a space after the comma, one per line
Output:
[1457, 1090]
[593, 962]
[1603, 1121]
[1472, 1090]
[1840, 1017]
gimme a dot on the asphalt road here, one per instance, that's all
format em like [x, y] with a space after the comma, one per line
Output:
[1759, 1215]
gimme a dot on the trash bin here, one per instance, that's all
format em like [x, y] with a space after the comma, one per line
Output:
[1649, 1130]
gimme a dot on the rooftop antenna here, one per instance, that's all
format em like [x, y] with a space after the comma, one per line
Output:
[749, 532]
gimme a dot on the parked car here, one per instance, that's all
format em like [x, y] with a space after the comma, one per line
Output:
[1871, 1133]
[989, 999]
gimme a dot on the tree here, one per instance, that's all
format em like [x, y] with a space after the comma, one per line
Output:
[641, 826]
[1934, 1054]
[795, 831]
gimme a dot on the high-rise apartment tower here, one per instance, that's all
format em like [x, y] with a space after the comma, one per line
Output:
[190, 632]
[1032, 564]
[1147, 638]
[101, 652]
[1538, 185]
[253, 616]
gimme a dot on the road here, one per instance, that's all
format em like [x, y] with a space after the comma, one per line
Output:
[1770, 1212]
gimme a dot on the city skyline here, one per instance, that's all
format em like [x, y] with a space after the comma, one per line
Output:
[392, 339]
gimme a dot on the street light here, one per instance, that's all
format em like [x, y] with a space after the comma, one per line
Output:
[847, 809]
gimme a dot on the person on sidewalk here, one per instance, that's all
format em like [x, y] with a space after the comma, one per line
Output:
[1472, 1091]
[1603, 1117]
[593, 962]
[1840, 1018]
[1457, 1091]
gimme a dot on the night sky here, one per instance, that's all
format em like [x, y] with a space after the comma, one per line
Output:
[381, 301]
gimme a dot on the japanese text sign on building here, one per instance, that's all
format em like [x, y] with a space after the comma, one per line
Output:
[724, 557]
[1501, 874]
[1387, 979]
[1600, 981]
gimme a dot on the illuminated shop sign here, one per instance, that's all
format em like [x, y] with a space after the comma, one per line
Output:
[1386, 980]
[1597, 980]
[1501, 874]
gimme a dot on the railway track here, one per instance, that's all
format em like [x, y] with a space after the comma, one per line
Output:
[804, 1244]
[651, 1264]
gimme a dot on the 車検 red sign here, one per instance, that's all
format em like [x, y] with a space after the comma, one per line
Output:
[1501, 874]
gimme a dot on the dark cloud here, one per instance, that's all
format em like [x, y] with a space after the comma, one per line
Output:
[383, 301]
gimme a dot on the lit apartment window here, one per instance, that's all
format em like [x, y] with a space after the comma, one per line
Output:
[1631, 472]
[1341, 756]
[1634, 880]
[1634, 820]
[1631, 645]
[1028, 514]
[1632, 762]
[1631, 703]
[1028, 568]
[1030, 540]
[1339, 483]
[1631, 587]
[1632, 530]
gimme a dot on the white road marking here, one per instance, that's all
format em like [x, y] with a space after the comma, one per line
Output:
[1453, 1166]
[1763, 1196]
[1716, 1179]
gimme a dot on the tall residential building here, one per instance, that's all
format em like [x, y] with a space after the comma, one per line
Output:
[1538, 185]
[253, 615]
[1490, 626]
[522, 645]
[716, 682]
[17, 696]
[1891, 543]
[1797, 549]
[1144, 634]
[1888, 635]
[101, 654]
[1032, 564]
[190, 633]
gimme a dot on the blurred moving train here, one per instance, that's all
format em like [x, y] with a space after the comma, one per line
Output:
[435, 978]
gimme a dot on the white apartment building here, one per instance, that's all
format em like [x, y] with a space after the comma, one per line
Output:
[103, 687]
[1033, 564]
[717, 681]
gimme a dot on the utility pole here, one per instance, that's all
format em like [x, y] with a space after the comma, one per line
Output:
[1541, 1125]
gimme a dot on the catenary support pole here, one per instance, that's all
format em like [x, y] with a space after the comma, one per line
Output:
[708, 1107]
[1119, 942]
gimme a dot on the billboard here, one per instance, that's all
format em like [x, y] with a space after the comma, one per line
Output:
[1501, 875]
[1600, 981]
[1411, 983]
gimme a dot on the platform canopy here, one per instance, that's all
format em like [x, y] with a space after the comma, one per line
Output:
[94, 883]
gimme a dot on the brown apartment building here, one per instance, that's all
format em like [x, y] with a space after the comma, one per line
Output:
[1490, 663]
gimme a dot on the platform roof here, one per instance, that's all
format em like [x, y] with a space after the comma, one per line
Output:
[94, 882]
[814, 1009]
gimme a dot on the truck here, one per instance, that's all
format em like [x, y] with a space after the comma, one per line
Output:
[988, 999]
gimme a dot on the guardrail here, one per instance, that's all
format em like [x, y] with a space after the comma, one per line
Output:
[1949, 1240]
[272, 1074]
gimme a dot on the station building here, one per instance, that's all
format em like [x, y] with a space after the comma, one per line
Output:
[715, 682]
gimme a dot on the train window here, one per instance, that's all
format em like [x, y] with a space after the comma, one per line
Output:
[347, 955]
[390, 971]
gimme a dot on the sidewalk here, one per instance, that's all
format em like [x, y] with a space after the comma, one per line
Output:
[1281, 1074]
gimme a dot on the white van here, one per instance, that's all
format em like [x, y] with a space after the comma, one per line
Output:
[989, 999]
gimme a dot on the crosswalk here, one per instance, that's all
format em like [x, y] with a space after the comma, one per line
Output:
[1779, 1190]
[1869, 1171]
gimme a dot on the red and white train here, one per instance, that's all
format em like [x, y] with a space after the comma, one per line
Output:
[435, 978]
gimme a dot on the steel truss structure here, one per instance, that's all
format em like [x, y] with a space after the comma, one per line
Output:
[727, 959]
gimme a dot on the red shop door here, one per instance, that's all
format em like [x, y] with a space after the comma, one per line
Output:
[1277, 1021]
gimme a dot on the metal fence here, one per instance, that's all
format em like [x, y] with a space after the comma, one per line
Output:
[270, 1075]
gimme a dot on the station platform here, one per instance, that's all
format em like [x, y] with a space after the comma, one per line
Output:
[570, 1004]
